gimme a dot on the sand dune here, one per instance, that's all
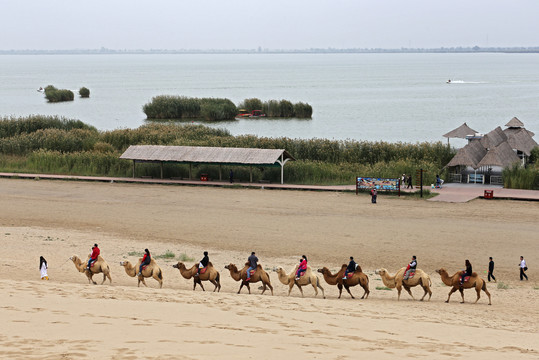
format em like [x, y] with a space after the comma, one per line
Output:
[67, 318]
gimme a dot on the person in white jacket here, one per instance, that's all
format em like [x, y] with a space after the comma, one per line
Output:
[43, 268]
[523, 268]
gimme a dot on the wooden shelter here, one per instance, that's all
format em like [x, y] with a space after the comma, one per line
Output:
[207, 155]
[470, 155]
[461, 132]
[501, 155]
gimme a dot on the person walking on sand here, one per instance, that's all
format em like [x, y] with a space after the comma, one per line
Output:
[409, 186]
[491, 270]
[374, 194]
[523, 269]
[43, 268]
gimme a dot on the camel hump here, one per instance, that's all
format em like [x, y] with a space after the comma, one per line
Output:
[209, 264]
[474, 274]
[258, 266]
[100, 258]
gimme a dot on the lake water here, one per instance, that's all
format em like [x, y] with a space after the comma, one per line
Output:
[389, 97]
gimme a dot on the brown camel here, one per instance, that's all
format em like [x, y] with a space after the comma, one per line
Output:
[211, 275]
[397, 281]
[308, 278]
[259, 275]
[337, 279]
[474, 282]
[152, 270]
[99, 266]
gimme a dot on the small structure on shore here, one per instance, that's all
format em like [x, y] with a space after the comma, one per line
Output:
[485, 156]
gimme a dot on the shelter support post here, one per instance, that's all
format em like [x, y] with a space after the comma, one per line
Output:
[133, 169]
[220, 177]
[282, 162]
[250, 174]
[189, 171]
[161, 169]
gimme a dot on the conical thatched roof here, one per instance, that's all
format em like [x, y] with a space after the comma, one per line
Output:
[514, 122]
[494, 138]
[502, 155]
[461, 132]
[520, 139]
[470, 155]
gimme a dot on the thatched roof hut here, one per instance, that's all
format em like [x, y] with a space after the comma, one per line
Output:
[469, 155]
[521, 140]
[493, 138]
[515, 122]
[501, 155]
[461, 132]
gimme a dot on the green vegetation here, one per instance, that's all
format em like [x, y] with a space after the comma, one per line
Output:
[181, 107]
[167, 255]
[503, 286]
[382, 288]
[84, 92]
[56, 95]
[49, 144]
[135, 253]
[185, 257]
[276, 108]
[517, 177]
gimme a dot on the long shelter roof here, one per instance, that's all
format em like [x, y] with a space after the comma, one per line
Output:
[202, 154]
[461, 132]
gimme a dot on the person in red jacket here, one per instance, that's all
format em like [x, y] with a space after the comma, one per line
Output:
[302, 266]
[145, 261]
[93, 257]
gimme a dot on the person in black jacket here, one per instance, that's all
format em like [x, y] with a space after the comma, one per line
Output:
[491, 270]
[203, 263]
[350, 268]
[467, 272]
[253, 263]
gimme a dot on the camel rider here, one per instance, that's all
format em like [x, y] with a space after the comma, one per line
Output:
[253, 263]
[350, 268]
[93, 257]
[146, 259]
[203, 263]
[467, 272]
[302, 266]
[410, 268]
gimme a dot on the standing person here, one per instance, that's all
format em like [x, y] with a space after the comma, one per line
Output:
[467, 272]
[302, 266]
[146, 259]
[438, 181]
[253, 263]
[410, 268]
[374, 193]
[409, 182]
[523, 268]
[491, 270]
[43, 268]
[93, 257]
[403, 180]
[350, 268]
[231, 175]
[203, 263]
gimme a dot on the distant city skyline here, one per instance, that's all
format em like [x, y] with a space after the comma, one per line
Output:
[276, 24]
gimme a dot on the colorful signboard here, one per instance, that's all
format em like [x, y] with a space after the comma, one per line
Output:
[364, 183]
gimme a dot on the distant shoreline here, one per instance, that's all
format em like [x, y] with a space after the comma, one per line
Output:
[442, 50]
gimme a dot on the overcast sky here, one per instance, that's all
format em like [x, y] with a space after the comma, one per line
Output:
[270, 24]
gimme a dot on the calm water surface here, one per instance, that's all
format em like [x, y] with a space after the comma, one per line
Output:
[390, 97]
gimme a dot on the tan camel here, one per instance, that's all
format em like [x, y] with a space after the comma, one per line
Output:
[474, 282]
[337, 279]
[397, 281]
[99, 266]
[308, 278]
[241, 275]
[152, 270]
[211, 275]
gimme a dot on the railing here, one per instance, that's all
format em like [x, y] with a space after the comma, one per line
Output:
[496, 180]
[456, 178]
[476, 178]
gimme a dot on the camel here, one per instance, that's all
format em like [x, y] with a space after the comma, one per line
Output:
[397, 281]
[337, 279]
[474, 282]
[308, 278]
[241, 275]
[211, 275]
[152, 270]
[99, 266]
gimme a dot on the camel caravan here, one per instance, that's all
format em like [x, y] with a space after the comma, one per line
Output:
[301, 275]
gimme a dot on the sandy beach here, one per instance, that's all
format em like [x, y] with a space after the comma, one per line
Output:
[66, 318]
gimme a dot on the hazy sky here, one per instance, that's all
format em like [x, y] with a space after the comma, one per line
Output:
[273, 24]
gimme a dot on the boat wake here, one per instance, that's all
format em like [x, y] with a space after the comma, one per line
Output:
[464, 82]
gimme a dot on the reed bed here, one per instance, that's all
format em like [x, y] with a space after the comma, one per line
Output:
[84, 92]
[57, 95]
[57, 145]
[278, 108]
[517, 177]
[181, 107]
